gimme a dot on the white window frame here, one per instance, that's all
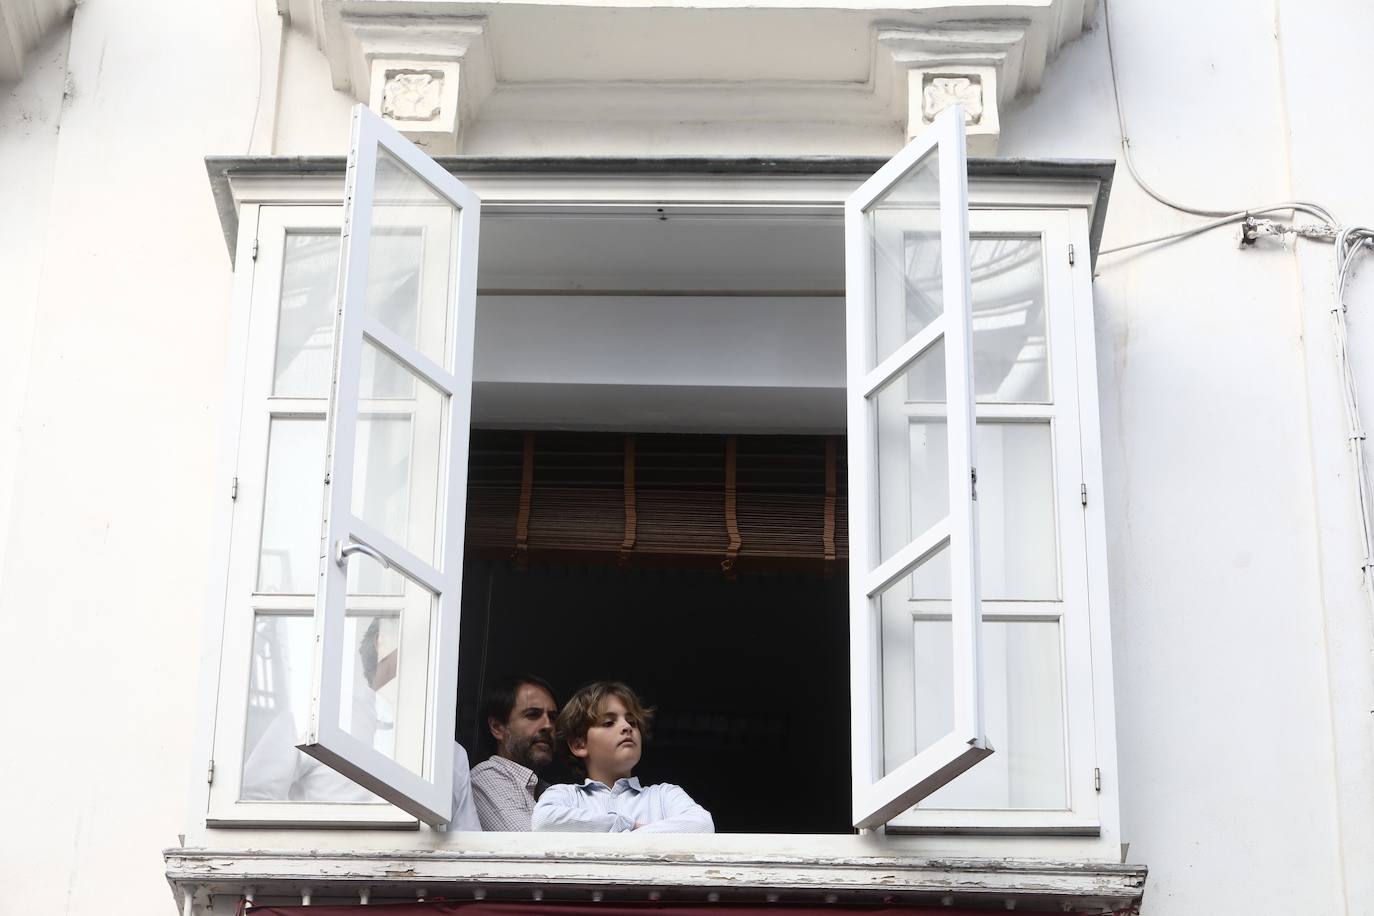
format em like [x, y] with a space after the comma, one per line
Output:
[426, 790]
[290, 199]
[878, 796]
[268, 228]
[1065, 412]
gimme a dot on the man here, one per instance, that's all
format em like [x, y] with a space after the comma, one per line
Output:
[519, 712]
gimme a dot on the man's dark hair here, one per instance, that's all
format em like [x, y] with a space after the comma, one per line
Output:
[499, 701]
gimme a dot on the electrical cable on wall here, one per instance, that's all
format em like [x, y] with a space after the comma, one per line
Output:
[1349, 241]
[1220, 217]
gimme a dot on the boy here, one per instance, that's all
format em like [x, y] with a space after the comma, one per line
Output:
[603, 726]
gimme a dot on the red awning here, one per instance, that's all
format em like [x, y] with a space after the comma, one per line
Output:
[483, 908]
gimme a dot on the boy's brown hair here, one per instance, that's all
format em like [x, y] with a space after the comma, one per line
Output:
[583, 709]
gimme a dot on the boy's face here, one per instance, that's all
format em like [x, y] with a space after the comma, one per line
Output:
[612, 746]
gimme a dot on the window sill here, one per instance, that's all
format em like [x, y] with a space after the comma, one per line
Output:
[864, 872]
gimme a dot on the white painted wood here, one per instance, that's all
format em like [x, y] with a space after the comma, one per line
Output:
[858, 869]
[420, 783]
[217, 608]
[1071, 611]
[1107, 790]
[904, 355]
[878, 796]
[926, 544]
[518, 191]
[1065, 822]
[258, 304]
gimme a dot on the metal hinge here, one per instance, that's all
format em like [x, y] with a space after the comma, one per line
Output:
[1097, 779]
[210, 772]
[1083, 493]
[1071, 258]
[254, 254]
[974, 472]
[234, 488]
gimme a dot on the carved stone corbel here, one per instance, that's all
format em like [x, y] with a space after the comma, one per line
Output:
[425, 77]
[979, 68]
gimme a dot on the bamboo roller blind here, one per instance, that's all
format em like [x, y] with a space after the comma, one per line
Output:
[738, 502]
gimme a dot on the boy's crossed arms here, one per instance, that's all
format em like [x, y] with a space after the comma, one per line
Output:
[603, 726]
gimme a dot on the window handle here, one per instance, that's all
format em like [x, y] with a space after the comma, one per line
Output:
[342, 550]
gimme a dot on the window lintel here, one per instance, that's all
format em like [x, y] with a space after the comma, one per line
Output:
[822, 182]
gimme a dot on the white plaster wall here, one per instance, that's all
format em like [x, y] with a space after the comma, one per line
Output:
[1222, 564]
[119, 393]
[29, 115]
[1329, 165]
[1242, 640]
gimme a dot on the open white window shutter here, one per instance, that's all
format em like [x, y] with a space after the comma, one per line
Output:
[909, 300]
[387, 612]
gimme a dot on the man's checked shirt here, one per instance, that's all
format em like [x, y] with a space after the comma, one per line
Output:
[504, 792]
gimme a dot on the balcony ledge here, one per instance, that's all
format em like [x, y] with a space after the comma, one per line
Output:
[344, 876]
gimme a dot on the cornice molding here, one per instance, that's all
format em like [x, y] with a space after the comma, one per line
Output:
[23, 24]
[432, 66]
[427, 76]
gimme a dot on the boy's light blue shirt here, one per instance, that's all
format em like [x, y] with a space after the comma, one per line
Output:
[594, 807]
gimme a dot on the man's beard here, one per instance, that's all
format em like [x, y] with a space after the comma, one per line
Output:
[521, 750]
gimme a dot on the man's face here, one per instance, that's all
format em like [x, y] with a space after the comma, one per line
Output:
[526, 736]
[612, 746]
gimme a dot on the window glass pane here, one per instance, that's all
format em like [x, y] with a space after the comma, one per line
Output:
[385, 675]
[411, 260]
[393, 297]
[305, 323]
[902, 738]
[291, 511]
[1018, 549]
[399, 451]
[278, 706]
[907, 278]
[1009, 355]
[909, 470]
[1023, 713]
